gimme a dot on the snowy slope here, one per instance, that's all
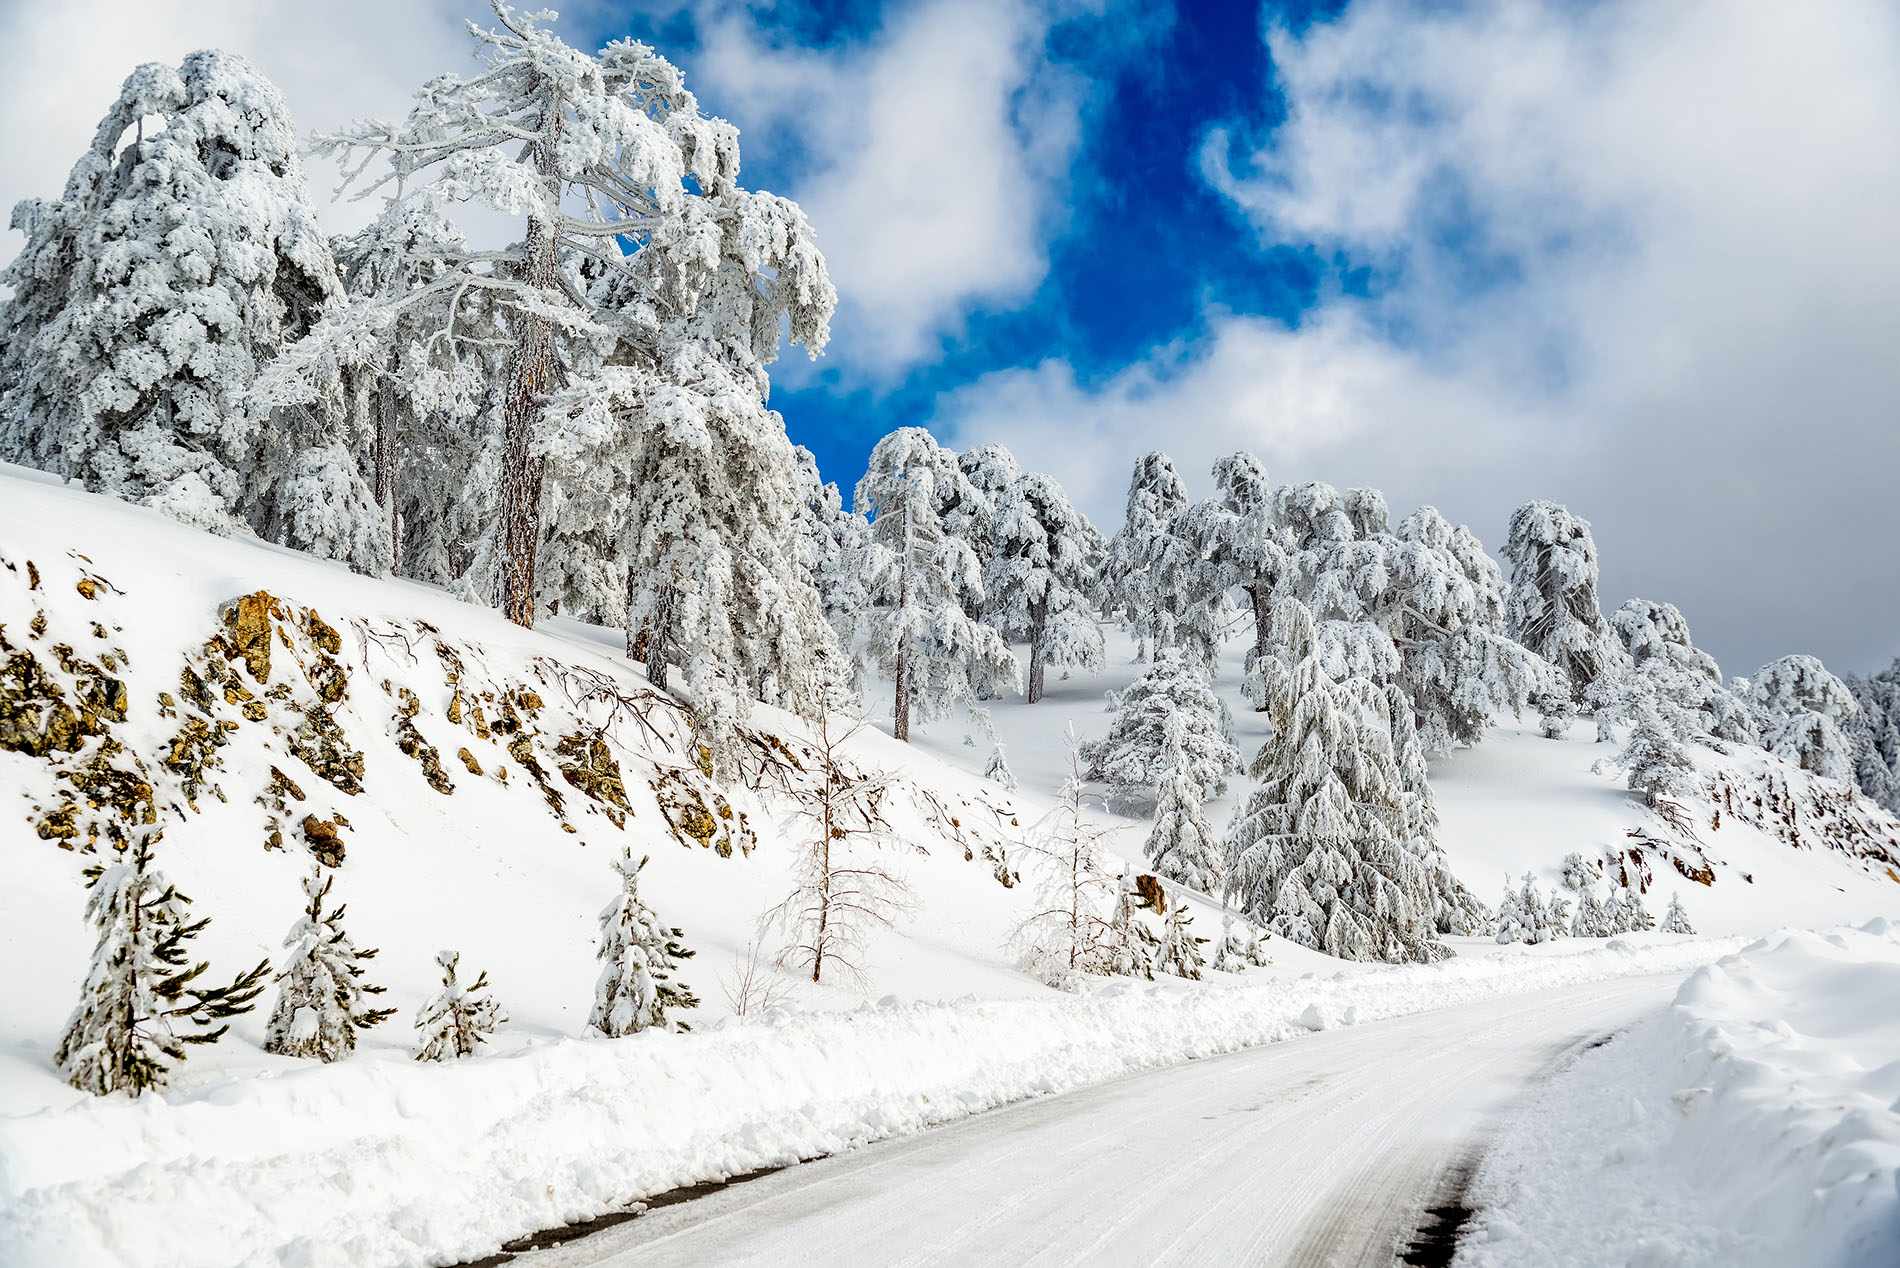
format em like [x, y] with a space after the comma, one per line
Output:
[512, 874]
[1516, 802]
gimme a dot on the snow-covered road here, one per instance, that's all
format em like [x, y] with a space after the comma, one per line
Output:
[1320, 1151]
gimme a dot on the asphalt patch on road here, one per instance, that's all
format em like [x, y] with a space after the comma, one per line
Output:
[544, 1240]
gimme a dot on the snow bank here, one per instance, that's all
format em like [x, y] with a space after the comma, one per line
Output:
[1753, 1123]
[382, 1161]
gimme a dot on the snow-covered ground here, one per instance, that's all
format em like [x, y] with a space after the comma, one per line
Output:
[249, 1156]
[1754, 1122]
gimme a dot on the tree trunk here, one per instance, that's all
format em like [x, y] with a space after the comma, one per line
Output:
[657, 638]
[385, 454]
[531, 376]
[1262, 600]
[900, 705]
[1038, 621]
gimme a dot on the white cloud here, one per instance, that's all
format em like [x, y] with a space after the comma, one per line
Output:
[938, 150]
[1683, 322]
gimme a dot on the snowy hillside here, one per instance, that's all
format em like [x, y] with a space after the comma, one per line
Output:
[470, 783]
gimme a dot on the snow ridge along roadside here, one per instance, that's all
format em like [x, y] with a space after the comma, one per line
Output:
[380, 1161]
[1752, 1123]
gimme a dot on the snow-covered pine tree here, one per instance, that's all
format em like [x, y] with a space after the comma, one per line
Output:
[1682, 681]
[996, 769]
[1181, 847]
[1181, 952]
[138, 1008]
[836, 551]
[1657, 765]
[926, 581]
[183, 257]
[322, 999]
[1533, 911]
[588, 153]
[1239, 947]
[1133, 758]
[1129, 948]
[1512, 924]
[1552, 607]
[460, 1018]
[1318, 850]
[844, 890]
[1156, 501]
[639, 955]
[1062, 938]
[1676, 920]
[1592, 919]
[989, 469]
[1873, 732]
[1802, 708]
[1625, 912]
[1042, 577]
[1557, 918]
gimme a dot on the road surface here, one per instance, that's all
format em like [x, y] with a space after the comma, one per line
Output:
[1321, 1151]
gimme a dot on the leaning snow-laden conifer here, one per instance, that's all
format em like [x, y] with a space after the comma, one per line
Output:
[1676, 920]
[1181, 952]
[1802, 708]
[847, 887]
[1042, 577]
[1319, 850]
[925, 584]
[1157, 498]
[1552, 606]
[182, 257]
[460, 1018]
[322, 999]
[1134, 758]
[138, 1009]
[636, 988]
[1062, 938]
[1181, 847]
[587, 153]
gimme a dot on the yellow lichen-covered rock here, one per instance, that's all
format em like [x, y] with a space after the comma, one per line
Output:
[468, 760]
[247, 621]
[588, 764]
[323, 634]
[321, 745]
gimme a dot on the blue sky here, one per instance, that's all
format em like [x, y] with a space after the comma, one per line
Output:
[1141, 245]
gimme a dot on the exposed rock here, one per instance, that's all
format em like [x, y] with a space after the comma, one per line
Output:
[324, 840]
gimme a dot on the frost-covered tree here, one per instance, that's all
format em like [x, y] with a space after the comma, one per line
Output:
[1592, 920]
[926, 582]
[1181, 847]
[1682, 681]
[996, 769]
[322, 998]
[138, 1008]
[182, 257]
[990, 470]
[837, 553]
[845, 888]
[460, 1018]
[1042, 576]
[1157, 498]
[1319, 850]
[1676, 920]
[1874, 734]
[1512, 924]
[1061, 939]
[639, 955]
[1128, 948]
[1627, 914]
[1241, 946]
[1802, 709]
[1552, 606]
[1181, 952]
[1653, 759]
[1134, 758]
[612, 172]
